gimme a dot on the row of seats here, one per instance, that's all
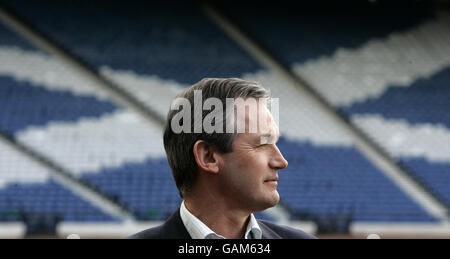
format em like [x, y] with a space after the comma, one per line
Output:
[424, 101]
[50, 198]
[346, 183]
[158, 44]
[144, 37]
[27, 191]
[23, 105]
[301, 33]
[435, 175]
[388, 63]
[152, 47]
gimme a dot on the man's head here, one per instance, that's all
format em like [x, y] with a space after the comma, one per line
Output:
[240, 165]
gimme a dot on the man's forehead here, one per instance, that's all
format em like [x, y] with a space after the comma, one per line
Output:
[266, 132]
[272, 133]
[251, 110]
[255, 123]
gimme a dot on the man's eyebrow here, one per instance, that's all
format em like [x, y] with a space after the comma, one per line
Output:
[277, 136]
[269, 136]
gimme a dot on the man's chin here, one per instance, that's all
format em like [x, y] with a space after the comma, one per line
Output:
[276, 200]
[270, 202]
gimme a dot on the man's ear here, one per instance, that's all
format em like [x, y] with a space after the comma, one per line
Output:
[206, 157]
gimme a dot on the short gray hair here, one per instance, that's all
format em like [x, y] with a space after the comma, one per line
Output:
[179, 146]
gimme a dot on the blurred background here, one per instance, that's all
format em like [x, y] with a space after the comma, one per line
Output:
[364, 92]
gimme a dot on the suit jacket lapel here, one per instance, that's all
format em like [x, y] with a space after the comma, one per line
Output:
[267, 233]
[174, 228]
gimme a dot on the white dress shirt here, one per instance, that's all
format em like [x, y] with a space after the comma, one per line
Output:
[198, 230]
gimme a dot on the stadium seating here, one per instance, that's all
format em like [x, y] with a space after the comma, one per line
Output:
[297, 33]
[386, 69]
[423, 104]
[146, 43]
[25, 188]
[144, 37]
[424, 101]
[147, 188]
[324, 181]
[432, 174]
[51, 198]
[168, 50]
[25, 105]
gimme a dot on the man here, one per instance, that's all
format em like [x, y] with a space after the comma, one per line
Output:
[222, 176]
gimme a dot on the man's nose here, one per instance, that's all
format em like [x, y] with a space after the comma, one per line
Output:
[278, 161]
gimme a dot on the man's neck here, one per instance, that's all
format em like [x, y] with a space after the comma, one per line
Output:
[219, 217]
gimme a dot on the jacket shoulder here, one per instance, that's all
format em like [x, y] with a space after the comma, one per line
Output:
[173, 228]
[151, 233]
[285, 231]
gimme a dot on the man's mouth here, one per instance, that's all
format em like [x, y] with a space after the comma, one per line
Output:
[273, 181]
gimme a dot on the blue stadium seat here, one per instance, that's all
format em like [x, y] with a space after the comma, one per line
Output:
[345, 184]
[51, 198]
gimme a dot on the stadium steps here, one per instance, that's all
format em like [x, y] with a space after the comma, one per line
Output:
[44, 42]
[280, 71]
[104, 78]
[59, 173]
[66, 179]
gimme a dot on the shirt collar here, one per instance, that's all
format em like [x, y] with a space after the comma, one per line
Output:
[198, 230]
[253, 231]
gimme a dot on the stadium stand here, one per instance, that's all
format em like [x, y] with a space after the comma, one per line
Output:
[143, 41]
[148, 52]
[19, 201]
[26, 189]
[144, 48]
[146, 38]
[420, 105]
[147, 188]
[384, 68]
[25, 105]
[307, 33]
[343, 186]
[147, 201]
[423, 101]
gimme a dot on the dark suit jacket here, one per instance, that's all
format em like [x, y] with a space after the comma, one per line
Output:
[174, 228]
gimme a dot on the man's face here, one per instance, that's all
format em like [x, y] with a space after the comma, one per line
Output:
[249, 173]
